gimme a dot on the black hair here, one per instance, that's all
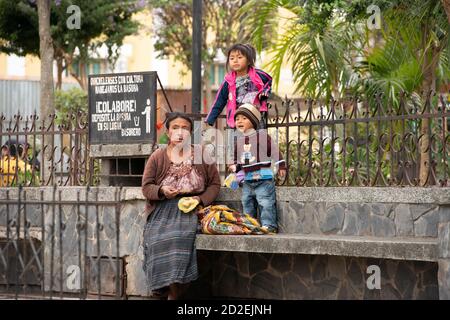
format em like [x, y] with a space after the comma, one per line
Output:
[175, 115]
[247, 51]
[15, 148]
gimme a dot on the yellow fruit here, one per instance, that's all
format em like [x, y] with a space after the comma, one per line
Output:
[187, 204]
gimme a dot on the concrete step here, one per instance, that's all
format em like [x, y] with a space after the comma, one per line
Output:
[398, 248]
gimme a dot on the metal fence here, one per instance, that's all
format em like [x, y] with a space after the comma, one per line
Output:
[365, 143]
[55, 249]
[350, 143]
[45, 152]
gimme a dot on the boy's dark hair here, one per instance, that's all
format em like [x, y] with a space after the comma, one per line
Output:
[247, 51]
[175, 115]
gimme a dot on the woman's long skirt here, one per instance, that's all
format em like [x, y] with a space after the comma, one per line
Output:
[169, 246]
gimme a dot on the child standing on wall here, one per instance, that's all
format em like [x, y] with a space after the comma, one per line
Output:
[254, 153]
[242, 84]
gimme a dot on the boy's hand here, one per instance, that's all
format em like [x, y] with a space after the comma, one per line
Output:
[169, 192]
[282, 173]
[232, 168]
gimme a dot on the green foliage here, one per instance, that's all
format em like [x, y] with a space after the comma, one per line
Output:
[27, 178]
[18, 28]
[102, 22]
[332, 52]
[69, 104]
[174, 20]
[319, 49]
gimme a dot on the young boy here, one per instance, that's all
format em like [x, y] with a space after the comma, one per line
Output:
[254, 153]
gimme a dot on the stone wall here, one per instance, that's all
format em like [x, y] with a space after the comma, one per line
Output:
[379, 212]
[77, 234]
[289, 276]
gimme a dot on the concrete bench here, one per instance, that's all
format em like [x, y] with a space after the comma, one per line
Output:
[418, 249]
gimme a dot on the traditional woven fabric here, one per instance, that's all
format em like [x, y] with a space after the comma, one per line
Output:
[220, 219]
[169, 246]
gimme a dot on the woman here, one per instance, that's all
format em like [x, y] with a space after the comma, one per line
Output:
[170, 259]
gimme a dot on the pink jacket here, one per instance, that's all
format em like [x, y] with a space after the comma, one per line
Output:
[227, 95]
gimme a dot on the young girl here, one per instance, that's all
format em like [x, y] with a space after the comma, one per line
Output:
[243, 84]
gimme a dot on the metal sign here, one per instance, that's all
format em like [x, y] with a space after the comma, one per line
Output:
[122, 108]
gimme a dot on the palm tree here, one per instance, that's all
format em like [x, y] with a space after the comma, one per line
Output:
[329, 49]
[422, 30]
[320, 51]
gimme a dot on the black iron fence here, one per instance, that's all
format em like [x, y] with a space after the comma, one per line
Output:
[45, 152]
[55, 248]
[365, 143]
[350, 143]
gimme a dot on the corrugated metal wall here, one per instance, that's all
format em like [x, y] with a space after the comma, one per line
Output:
[18, 96]
[21, 96]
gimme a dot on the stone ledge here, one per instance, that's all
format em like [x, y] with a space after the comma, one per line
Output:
[11, 234]
[419, 249]
[419, 195]
[120, 150]
[413, 195]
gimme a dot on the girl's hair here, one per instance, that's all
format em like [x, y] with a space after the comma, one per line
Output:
[176, 115]
[247, 51]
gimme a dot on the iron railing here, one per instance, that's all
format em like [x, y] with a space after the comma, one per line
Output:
[45, 152]
[52, 248]
[363, 143]
[350, 143]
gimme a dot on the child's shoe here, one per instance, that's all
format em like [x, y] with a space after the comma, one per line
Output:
[269, 229]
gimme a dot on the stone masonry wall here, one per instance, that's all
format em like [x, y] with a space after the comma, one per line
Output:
[381, 212]
[322, 213]
[287, 276]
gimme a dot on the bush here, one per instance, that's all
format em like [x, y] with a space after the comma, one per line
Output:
[70, 102]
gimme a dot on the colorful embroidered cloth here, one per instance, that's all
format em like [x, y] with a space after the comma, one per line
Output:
[220, 219]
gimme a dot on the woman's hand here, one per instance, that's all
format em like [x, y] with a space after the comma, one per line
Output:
[169, 192]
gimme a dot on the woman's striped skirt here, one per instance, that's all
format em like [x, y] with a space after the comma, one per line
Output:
[169, 246]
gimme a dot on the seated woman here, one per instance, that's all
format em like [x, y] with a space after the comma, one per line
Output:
[170, 258]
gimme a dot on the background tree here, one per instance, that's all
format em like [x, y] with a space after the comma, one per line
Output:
[333, 52]
[446, 4]
[102, 22]
[46, 53]
[173, 31]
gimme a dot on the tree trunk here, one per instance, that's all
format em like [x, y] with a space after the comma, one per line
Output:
[83, 76]
[446, 5]
[431, 60]
[69, 60]
[60, 70]
[46, 55]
